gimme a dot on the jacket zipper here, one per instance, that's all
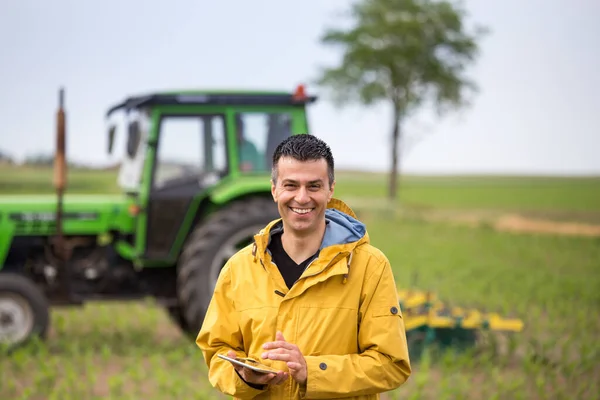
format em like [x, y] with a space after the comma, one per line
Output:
[322, 269]
[279, 293]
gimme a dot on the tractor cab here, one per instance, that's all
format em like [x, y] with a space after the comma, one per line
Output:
[195, 175]
[188, 150]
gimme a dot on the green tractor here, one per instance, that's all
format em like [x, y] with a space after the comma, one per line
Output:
[195, 188]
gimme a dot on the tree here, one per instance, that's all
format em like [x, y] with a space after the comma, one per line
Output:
[6, 158]
[403, 53]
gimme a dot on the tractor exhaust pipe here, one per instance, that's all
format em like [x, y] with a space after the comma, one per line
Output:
[60, 171]
[60, 245]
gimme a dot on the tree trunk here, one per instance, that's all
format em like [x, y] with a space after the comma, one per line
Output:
[393, 184]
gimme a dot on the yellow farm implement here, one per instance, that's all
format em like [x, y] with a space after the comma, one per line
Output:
[428, 320]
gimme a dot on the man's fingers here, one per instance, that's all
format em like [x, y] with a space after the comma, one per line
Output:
[278, 350]
[294, 366]
[279, 378]
[253, 377]
[265, 378]
[281, 350]
[281, 356]
[279, 344]
[266, 354]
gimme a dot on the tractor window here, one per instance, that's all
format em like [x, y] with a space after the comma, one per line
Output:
[133, 138]
[258, 135]
[190, 148]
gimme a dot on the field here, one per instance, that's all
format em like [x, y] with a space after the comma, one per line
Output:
[526, 247]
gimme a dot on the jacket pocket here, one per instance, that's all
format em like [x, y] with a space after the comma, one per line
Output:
[327, 330]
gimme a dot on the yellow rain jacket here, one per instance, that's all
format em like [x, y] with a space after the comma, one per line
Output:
[343, 313]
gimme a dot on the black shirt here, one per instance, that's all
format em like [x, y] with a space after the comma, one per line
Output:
[290, 271]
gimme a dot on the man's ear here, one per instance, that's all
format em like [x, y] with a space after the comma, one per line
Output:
[273, 193]
[331, 191]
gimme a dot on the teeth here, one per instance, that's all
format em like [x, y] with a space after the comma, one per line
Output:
[301, 210]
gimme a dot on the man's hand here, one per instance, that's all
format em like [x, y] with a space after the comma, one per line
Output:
[257, 378]
[284, 351]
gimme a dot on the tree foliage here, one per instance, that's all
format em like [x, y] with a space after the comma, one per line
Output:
[5, 157]
[404, 53]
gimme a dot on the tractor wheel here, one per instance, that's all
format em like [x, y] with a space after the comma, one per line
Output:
[209, 247]
[23, 311]
[175, 314]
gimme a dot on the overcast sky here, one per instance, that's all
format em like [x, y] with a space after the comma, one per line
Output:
[539, 74]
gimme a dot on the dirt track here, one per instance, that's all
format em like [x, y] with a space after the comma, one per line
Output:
[518, 223]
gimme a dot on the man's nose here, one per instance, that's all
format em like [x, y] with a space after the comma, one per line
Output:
[302, 195]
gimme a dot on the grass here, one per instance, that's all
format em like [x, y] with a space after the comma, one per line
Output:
[38, 180]
[572, 199]
[550, 281]
[530, 194]
[102, 351]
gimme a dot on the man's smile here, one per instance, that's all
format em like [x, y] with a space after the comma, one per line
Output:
[301, 210]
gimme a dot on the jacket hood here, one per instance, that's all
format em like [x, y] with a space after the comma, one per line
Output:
[342, 227]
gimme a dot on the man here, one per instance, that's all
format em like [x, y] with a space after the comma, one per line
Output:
[310, 297]
[250, 158]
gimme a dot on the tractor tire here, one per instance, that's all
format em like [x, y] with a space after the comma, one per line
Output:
[207, 250]
[175, 314]
[24, 311]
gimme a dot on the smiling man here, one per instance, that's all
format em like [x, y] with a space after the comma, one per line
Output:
[310, 297]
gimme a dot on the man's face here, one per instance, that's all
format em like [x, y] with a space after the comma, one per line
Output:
[302, 192]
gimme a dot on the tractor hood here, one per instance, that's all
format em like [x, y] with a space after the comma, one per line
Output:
[82, 214]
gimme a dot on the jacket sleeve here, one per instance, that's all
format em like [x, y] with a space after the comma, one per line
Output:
[383, 362]
[219, 334]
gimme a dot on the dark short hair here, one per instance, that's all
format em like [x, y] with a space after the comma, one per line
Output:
[304, 147]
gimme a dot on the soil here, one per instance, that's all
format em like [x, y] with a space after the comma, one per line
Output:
[581, 223]
[518, 223]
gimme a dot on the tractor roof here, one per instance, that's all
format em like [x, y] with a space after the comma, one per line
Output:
[216, 97]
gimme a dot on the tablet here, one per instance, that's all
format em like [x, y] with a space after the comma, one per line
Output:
[250, 363]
